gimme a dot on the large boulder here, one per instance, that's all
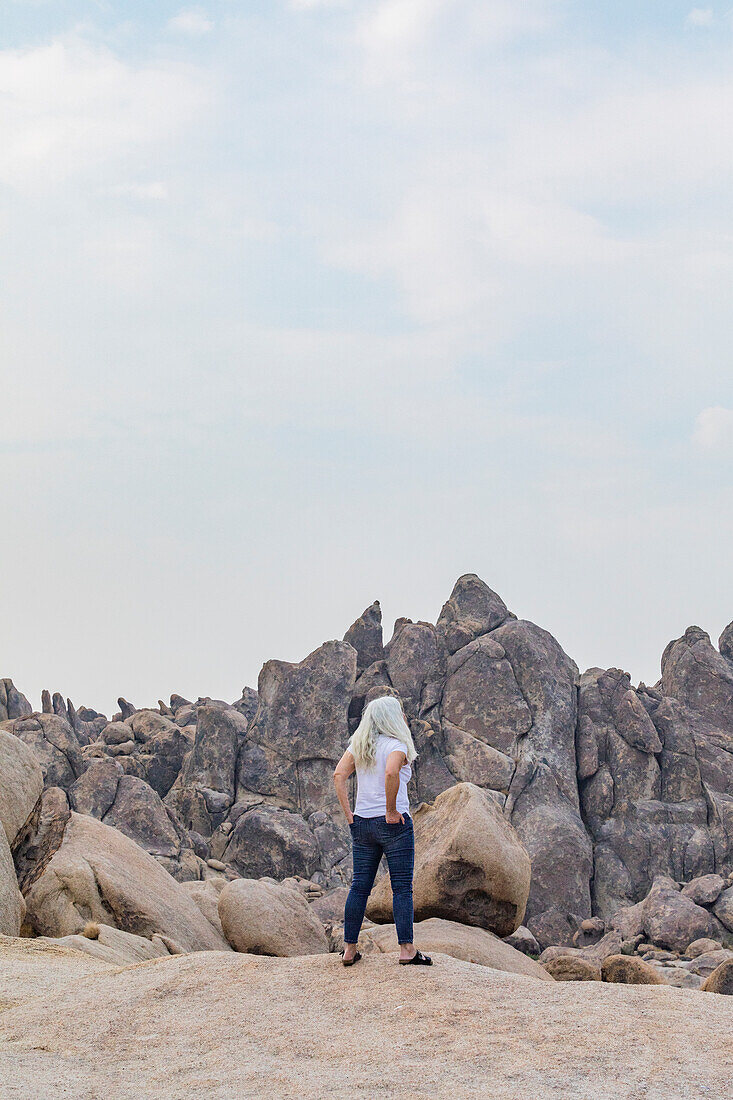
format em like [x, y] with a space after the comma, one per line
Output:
[101, 875]
[542, 801]
[572, 968]
[205, 788]
[700, 678]
[263, 918]
[705, 889]
[470, 865]
[114, 946]
[300, 729]
[365, 635]
[472, 610]
[12, 906]
[628, 970]
[21, 783]
[13, 704]
[413, 659]
[129, 804]
[723, 908]
[264, 840]
[205, 894]
[55, 744]
[462, 941]
[672, 920]
[721, 979]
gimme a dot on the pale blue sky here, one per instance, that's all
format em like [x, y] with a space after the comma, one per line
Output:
[306, 304]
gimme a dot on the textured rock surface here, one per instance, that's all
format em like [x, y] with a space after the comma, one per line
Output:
[39, 968]
[206, 786]
[469, 865]
[365, 635]
[13, 704]
[21, 783]
[220, 1025]
[113, 945]
[721, 979]
[12, 906]
[55, 745]
[265, 919]
[627, 970]
[99, 874]
[129, 804]
[573, 968]
[461, 941]
[609, 786]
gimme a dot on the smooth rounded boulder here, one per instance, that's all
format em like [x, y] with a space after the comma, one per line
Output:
[470, 865]
[572, 968]
[100, 874]
[721, 979]
[474, 945]
[263, 918]
[628, 970]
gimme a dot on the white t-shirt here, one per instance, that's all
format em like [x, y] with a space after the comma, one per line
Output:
[371, 798]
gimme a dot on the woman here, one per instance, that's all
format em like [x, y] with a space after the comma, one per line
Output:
[381, 752]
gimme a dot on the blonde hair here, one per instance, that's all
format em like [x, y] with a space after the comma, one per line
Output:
[383, 715]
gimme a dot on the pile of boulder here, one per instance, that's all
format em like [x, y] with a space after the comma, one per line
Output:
[591, 820]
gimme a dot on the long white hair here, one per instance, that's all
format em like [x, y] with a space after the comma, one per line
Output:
[383, 715]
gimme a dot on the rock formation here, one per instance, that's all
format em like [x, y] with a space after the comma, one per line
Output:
[609, 787]
[222, 1025]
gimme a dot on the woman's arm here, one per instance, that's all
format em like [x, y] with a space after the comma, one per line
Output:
[395, 760]
[344, 769]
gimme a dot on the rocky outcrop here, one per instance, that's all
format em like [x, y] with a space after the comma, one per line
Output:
[472, 610]
[223, 1025]
[470, 865]
[55, 745]
[263, 918]
[40, 968]
[461, 941]
[299, 730]
[129, 804]
[13, 704]
[608, 786]
[21, 784]
[668, 918]
[101, 875]
[205, 789]
[365, 636]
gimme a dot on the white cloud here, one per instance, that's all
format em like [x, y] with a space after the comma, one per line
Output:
[191, 21]
[701, 17]
[396, 36]
[71, 107]
[714, 428]
[155, 190]
[313, 5]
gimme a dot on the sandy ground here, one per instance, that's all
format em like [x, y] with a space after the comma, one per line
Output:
[224, 1026]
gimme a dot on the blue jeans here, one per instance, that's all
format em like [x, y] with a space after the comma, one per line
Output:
[371, 837]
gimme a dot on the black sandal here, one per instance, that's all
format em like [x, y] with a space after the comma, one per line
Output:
[350, 962]
[418, 959]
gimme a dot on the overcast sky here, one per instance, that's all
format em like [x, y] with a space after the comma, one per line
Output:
[309, 303]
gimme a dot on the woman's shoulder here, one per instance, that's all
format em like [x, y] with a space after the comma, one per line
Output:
[391, 743]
